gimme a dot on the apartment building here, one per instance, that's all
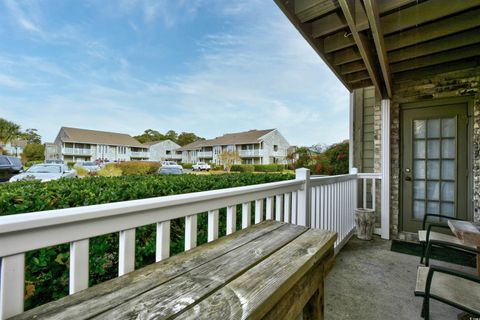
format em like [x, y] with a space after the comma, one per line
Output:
[254, 147]
[74, 144]
[165, 150]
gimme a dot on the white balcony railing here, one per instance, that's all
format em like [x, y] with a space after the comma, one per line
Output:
[319, 202]
[173, 156]
[205, 154]
[139, 154]
[77, 151]
[251, 153]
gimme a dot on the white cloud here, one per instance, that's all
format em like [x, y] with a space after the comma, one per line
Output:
[24, 17]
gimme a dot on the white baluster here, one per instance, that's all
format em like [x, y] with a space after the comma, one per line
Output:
[278, 207]
[286, 207]
[258, 211]
[269, 209]
[212, 225]
[163, 241]
[78, 279]
[246, 214]
[126, 256]
[231, 219]
[190, 232]
[294, 207]
[12, 281]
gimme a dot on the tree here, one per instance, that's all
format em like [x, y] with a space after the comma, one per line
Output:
[150, 135]
[229, 158]
[171, 135]
[31, 136]
[33, 152]
[8, 132]
[185, 138]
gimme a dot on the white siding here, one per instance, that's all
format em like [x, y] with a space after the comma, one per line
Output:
[158, 152]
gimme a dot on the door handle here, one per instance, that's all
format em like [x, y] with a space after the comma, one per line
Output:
[408, 178]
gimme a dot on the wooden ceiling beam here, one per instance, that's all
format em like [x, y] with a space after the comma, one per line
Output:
[458, 40]
[424, 12]
[437, 58]
[346, 56]
[357, 76]
[349, 7]
[306, 31]
[438, 29]
[352, 67]
[307, 10]
[374, 19]
[338, 41]
[362, 84]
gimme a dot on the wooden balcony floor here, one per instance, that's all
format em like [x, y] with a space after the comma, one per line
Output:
[369, 281]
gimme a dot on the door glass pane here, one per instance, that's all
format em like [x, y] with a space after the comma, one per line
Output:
[433, 128]
[448, 148]
[419, 128]
[433, 149]
[433, 169]
[433, 207]
[448, 191]
[448, 128]
[448, 169]
[447, 209]
[419, 149]
[433, 190]
[419, 189]
[419, 169]
[418, 209]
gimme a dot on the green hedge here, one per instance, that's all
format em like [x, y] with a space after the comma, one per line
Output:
[186, 165]
[269, 167]
[242, 168]
[46, 272]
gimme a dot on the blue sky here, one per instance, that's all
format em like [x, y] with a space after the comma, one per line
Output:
[203, 66]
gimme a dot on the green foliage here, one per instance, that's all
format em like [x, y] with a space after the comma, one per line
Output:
[182, 139]
[242, 168]
[33, 152]
[46, 271]
[71, 164]
[186, 165]
[269, 167]
[28, 164]
[31, 136]
[110, 170]
[8, 131]
[82, 172]
[137, 167]
[332, 161]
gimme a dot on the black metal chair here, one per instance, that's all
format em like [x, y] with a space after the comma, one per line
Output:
[453, 287]
[427, 234]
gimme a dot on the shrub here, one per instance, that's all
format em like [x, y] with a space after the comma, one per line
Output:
[242, 168]
[28, 164]
[186, 165]
[216, 167]
[82, 172]
[71, 164]
[138, 167]
[46, 272]
[269, 167]
[110, 170]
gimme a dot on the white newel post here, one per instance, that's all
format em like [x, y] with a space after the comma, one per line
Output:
[304, 195]
[385, 228]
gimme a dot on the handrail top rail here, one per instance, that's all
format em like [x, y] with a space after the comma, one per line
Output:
[323, 180]
[38, 219]
[370, 175]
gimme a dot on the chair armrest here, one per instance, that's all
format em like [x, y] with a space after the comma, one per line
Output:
[424, 222]
[444, 244]
[449, 271]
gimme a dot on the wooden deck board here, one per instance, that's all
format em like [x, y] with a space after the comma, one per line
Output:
[114, 292]
[260, 288]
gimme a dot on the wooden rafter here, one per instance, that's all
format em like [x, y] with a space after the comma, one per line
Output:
[374, 20]
[348, 8]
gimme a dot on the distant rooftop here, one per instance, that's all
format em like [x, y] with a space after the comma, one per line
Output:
[99, 137]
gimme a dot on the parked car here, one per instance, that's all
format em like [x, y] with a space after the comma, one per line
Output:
[170, 170]
[9, 166]
[90, 166]
[201, 166]
[45, 172]
[172, 164]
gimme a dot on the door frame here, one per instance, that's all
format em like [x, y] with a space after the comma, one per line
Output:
[438, 103]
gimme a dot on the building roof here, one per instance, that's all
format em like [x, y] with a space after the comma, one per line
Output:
[382, 43]
[99, 137]
[151, 143]
[245, 137]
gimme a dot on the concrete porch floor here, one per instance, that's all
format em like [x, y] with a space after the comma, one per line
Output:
[369, 281]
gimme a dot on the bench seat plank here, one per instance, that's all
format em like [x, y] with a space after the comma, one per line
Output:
[446, 287]
[187, 289]
[258, 290]
[90, 302]
[438, 236]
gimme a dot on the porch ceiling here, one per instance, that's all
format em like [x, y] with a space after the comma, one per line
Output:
[377, 42]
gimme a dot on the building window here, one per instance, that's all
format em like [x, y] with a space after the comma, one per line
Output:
[275, 147]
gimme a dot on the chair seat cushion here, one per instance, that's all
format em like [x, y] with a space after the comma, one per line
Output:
[462, 292]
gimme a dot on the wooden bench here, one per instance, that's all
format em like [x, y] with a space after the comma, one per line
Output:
[269, 270]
